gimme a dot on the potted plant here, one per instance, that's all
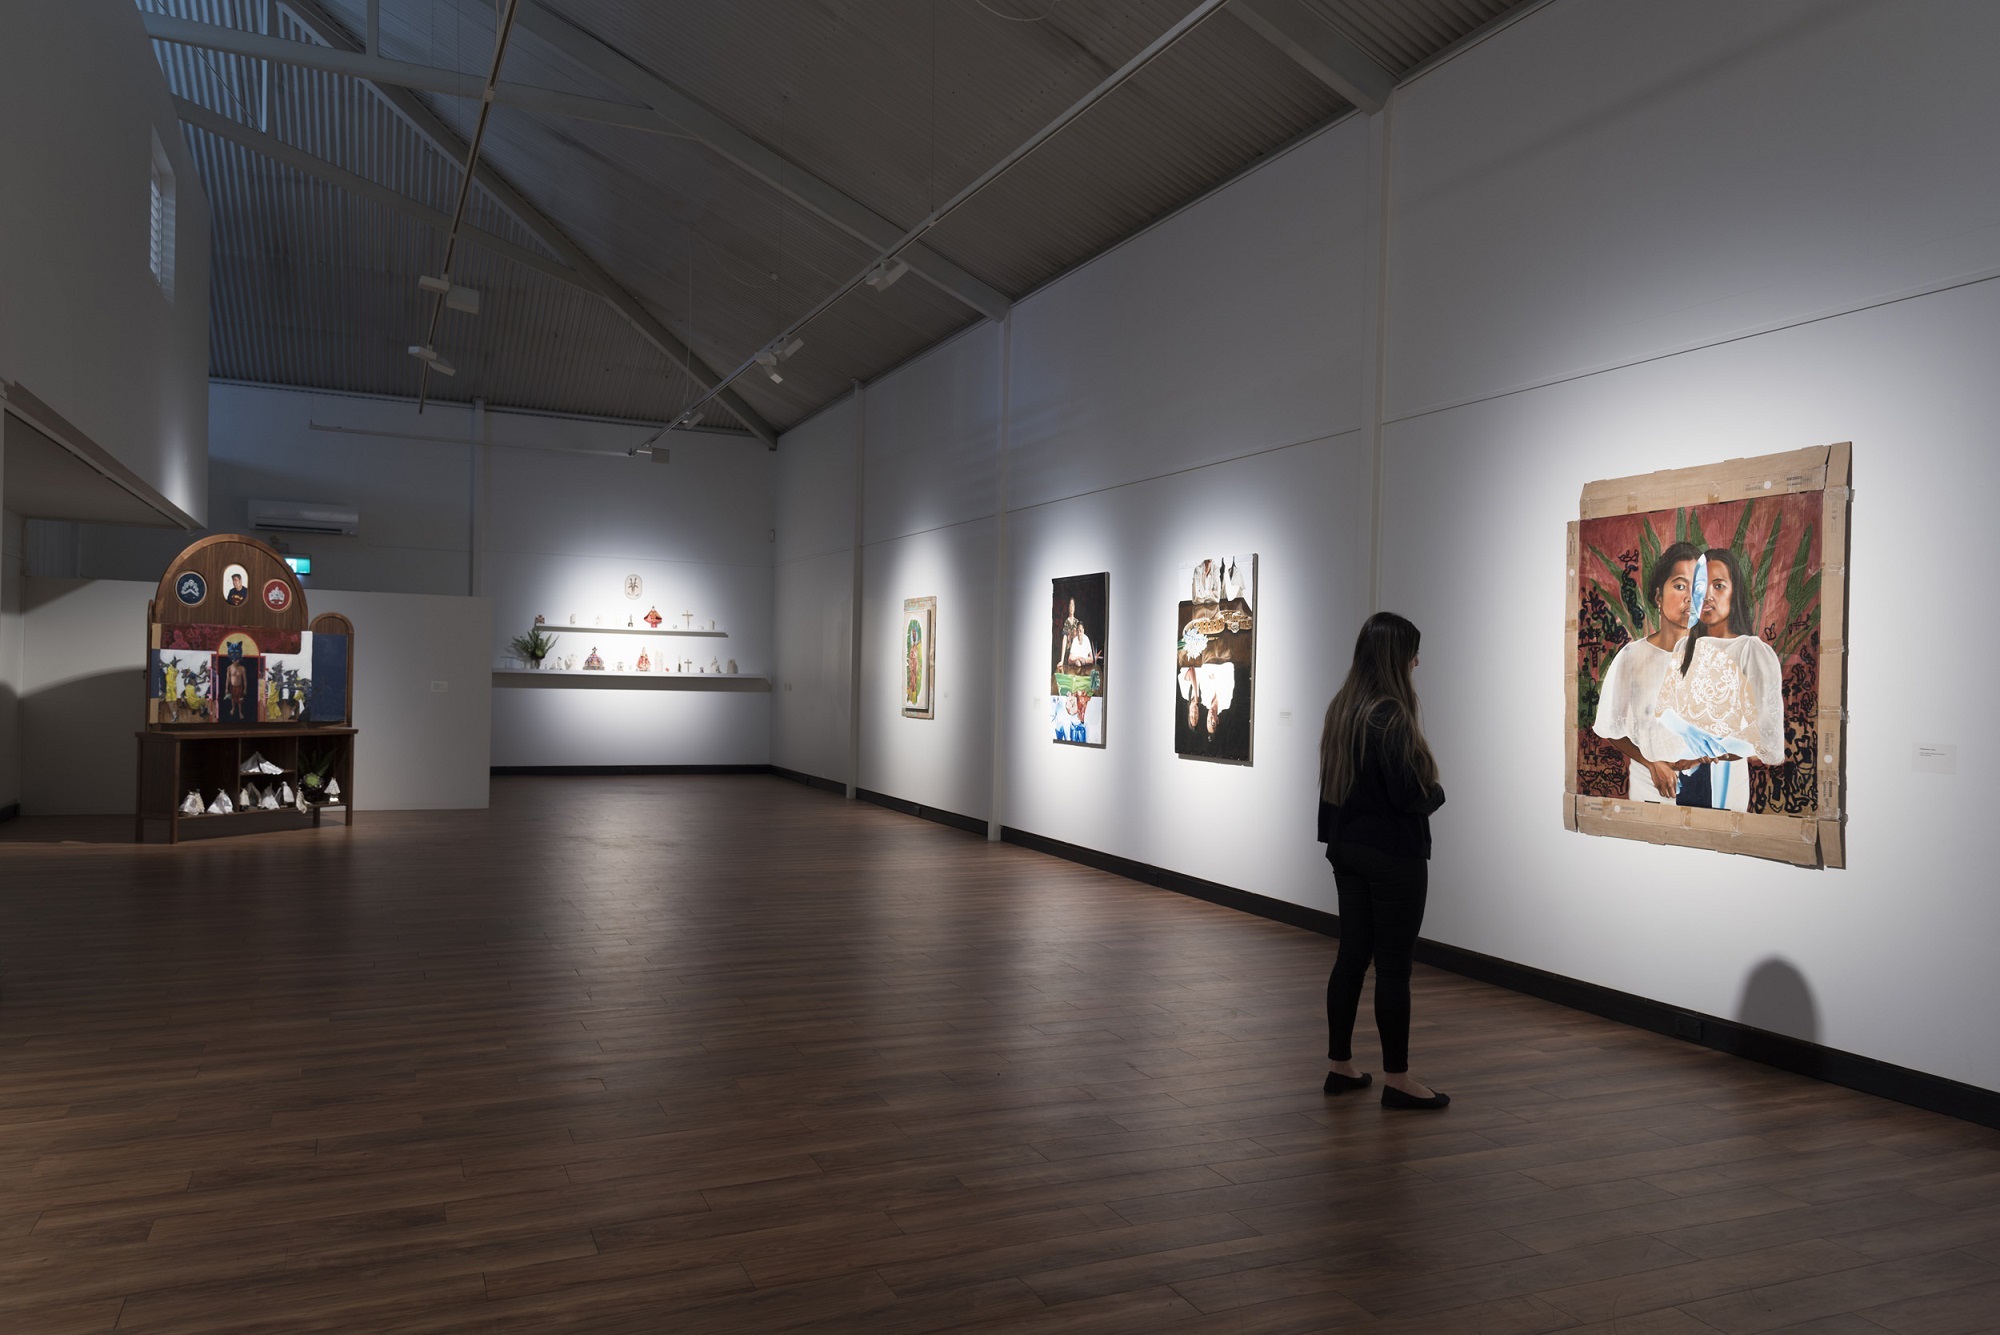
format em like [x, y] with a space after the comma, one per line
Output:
[534, 646]
[314, 771]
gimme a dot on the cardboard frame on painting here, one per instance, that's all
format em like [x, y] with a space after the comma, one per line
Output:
[919, 660]
[1814, 839]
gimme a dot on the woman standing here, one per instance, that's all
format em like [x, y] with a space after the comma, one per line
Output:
[1628, 701]
[1378, 786]
[1724, 699]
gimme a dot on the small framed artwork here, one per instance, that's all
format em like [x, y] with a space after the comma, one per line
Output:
[1706, 657]
[235, 585]
[1215, 659]
[919, 657]
[1079, 616]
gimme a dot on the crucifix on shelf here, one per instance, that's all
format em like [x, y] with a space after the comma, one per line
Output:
[689, 618]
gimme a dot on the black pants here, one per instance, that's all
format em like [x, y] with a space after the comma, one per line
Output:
[1381, 908]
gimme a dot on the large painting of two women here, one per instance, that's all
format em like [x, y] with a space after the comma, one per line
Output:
[1697, 658]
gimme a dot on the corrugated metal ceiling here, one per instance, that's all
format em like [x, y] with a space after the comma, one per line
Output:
[896, 103]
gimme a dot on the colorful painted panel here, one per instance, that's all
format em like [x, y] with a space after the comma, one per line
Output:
[919, 657]
[1079, 624]
[1215, 659]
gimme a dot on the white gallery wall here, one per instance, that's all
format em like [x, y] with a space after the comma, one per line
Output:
[421, 696]
[1614, 237]
[541, 514]
[84, 326]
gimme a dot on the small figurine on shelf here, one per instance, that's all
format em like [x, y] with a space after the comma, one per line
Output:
[714, 665]
[570, 662]
[688, 617]
[593, 663]
[628, 621]
[541, 620]
[653, 618]
[572, 618]
[645, 661]
[333, 791]
[711, 623]
[599, 621]
[621, 665]
[732, 667]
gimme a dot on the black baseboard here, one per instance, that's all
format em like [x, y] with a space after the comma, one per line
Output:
[970, 824]
[502, 771]
[1277, 910]
[9, 812]
[810, 780]
[1917, 1088]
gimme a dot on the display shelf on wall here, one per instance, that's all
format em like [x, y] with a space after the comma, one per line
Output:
[549, 629]
[571, 678]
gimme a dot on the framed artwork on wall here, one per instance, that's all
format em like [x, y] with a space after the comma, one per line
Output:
[1079, 622]
[919, 657]
[1215, 659]
[1705, 657]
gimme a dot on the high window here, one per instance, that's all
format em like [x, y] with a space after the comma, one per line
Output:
[162, 224]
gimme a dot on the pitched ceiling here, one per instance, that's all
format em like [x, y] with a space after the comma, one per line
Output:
[614, 258]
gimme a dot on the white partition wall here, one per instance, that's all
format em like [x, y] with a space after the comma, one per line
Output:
[1610, 238]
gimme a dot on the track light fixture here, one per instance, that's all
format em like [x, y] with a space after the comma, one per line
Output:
[457, 298]
[430, 358]
[778, 350]
[885, 273]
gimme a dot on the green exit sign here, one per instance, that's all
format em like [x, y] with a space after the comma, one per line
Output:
[301, 565]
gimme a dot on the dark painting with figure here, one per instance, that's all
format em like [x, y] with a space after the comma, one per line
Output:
[1215, 660]
[1708, 608]
[1078, 615]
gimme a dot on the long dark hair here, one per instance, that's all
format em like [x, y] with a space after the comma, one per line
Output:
[1663, 570]
[1383, 653]
[1742, 618]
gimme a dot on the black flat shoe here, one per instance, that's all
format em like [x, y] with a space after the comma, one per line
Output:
[1336, 1083]
[1396, 1098]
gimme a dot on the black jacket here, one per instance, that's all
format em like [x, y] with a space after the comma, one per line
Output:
[1388, 809]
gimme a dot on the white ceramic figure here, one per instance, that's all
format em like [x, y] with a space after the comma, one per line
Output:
[714, 665]
[333, 790]
[621, 665]
[243, 797]
[191, 805]
[285, 794]
[628, 622]
[732, 667]
[570, 662]
[572, 618]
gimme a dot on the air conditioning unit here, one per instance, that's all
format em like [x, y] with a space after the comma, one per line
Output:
[304, 517]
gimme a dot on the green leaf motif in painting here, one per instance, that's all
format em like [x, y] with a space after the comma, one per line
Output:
[1649, 556]
[1614, 596]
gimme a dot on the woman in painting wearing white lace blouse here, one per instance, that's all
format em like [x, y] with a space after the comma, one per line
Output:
[1628, 704]
[1725, 698]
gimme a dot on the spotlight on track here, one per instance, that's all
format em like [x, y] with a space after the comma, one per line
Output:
[456, 298]
[429, 357]
[886, 272]
[778, 351]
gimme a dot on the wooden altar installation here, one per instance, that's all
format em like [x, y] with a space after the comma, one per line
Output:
[249, 704]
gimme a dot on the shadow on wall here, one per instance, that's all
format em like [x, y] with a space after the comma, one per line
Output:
[1777, 998]
[77, 748]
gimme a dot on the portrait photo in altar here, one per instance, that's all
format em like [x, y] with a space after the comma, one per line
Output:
[1707, 627]
[1079, 617]
[1215, 659]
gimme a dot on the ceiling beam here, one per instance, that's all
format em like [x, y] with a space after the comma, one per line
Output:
[684, 113]
[193, 113]
[1327, 53]
[589, 273]
[397, 73]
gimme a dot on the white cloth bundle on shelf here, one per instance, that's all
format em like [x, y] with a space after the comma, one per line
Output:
[191, 804]
[253, 765]
[269, 802]
[221, 806]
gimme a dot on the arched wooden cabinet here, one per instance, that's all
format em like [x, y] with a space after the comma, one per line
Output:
[249, 701]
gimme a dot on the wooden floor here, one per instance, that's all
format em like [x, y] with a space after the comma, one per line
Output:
[729, 1054]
